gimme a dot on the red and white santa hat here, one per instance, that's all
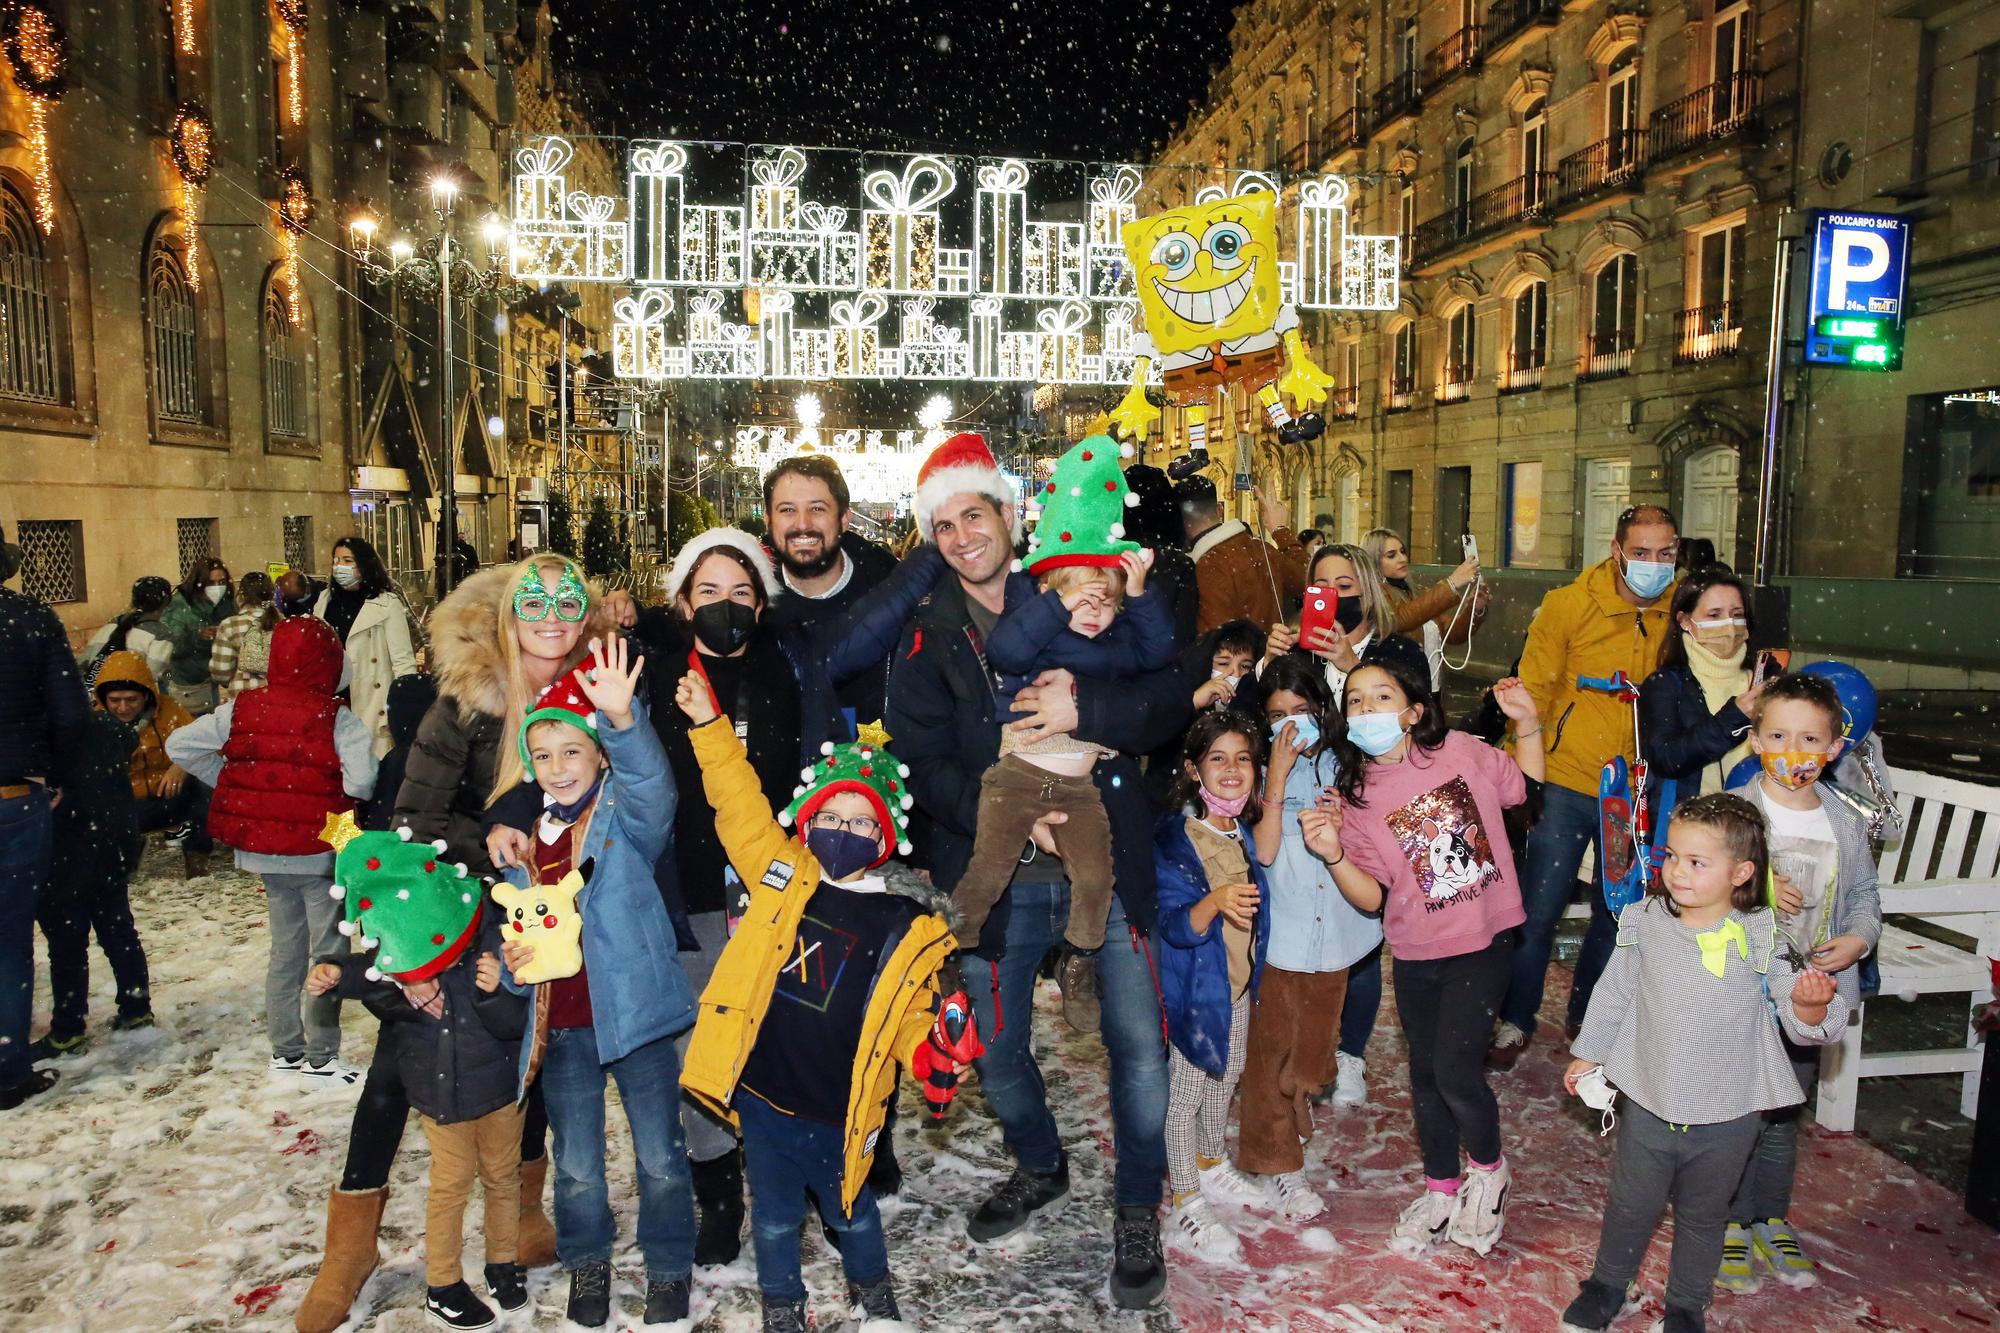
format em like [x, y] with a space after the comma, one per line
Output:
[963, 465]
[698, 547]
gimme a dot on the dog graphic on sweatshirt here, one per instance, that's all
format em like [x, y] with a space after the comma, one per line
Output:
[1454, 859]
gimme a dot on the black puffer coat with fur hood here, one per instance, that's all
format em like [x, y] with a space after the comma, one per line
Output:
[456, 756]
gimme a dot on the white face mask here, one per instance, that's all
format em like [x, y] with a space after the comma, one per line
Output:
[215, 593]
[346, 575]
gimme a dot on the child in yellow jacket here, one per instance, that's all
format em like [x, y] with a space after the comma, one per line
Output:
[844, 946]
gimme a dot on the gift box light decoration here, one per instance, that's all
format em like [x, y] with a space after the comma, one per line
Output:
[38, 53]
[192, 139]
[883, 284]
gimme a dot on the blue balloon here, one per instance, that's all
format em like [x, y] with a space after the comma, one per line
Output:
[1857, 697]
[1745, 771]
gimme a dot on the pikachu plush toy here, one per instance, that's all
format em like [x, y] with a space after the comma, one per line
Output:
[545, 916]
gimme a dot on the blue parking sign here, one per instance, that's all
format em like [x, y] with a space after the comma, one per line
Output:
[1860, 261]
[1855, 314]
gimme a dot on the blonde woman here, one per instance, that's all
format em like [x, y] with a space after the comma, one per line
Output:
[500, 639]
[1435, 610]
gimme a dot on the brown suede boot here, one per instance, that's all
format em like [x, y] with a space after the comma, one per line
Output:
[537, 1247]
[352, 1219]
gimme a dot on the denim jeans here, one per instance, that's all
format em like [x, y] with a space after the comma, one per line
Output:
[25, 839]
[1363, 1003]
[573, 1083]
[786, 1159]
[189, 806]
[305, 924]
[1555, 850]
[1012, 1081]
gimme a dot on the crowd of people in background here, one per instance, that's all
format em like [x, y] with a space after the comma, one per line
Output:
[1199, 769]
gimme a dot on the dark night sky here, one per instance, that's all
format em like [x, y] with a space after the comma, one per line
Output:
[1053, 78]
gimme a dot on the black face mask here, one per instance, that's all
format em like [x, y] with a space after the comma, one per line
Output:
[723, 627]
[1348, 613]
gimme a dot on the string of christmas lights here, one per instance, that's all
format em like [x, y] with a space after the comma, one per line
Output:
[184, 25]
[293, 14]
[193, 142]
[38, 52]
[295, 212]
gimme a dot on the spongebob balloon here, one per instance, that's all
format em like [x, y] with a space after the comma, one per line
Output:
[1208, 282]
[545, 916]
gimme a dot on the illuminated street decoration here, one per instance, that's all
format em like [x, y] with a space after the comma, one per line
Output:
[38, 52]
[815, 264]
[192, 139]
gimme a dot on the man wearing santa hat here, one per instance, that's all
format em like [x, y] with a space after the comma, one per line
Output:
[945, 711]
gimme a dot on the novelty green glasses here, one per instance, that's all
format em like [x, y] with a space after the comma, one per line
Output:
[533, 601]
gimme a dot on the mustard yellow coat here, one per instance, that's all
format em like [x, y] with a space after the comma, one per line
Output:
[782, 876]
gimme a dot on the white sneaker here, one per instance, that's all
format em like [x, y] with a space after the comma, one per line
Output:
[1350, 1083]
[1194, 1227]
[1225, 1183]
[281, 1065]
[330, 1073]
[1482, 1208]
[1294, 1198]
[1422, 1224]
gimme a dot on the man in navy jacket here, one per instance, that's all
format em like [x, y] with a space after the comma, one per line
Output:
[42, 719]
[944, 713]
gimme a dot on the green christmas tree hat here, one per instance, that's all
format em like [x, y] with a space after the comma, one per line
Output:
[1083, 510]
[419, 911]
[863, 766]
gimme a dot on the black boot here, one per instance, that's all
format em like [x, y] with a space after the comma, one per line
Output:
[718, 1200]
[1018, 1199]
[666, 1302]
[877, 1300]
[590, 1294]
[1139, 1272]
[1595, 1306]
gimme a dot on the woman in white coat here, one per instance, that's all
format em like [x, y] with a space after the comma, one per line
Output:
[365, 610]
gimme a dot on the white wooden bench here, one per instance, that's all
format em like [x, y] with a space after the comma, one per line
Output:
[1945, 869]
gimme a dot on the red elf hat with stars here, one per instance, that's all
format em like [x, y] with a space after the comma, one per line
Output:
[402, 899]
[563, 701]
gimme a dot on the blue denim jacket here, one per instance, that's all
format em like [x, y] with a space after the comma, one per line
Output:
[638, 992]
[1313, 926]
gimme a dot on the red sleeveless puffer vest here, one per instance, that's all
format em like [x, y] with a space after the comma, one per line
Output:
[280, 771]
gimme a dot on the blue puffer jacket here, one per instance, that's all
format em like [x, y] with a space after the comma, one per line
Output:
[1194, 969]
[638, 993]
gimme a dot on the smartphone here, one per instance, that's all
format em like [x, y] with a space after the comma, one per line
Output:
[1771, 662]
[1470, 545]
[1322, 606]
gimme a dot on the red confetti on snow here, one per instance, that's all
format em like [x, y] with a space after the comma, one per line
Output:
[108, 1246]
[280, 1120]
[304, 1144]
[258, 1299]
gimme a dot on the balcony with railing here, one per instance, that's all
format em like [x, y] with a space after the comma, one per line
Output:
[1523, 370]
[1344, 134]
[1344, 404]
[1606, 355]
[1511, 22]
[1455, 386]
[1482, 223]
[1396, 100]
[1725, 109]
[1707, 332]
[1457, 54]
[1402, 393]
[1606, 172]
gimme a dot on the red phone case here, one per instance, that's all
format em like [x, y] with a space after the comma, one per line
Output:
[1320, 605]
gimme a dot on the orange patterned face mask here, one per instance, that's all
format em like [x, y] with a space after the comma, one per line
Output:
[1793, 769]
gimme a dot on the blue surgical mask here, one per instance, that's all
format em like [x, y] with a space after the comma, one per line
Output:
[841, 853]
[1304, 729]
[1648, 578]
[1376, 733]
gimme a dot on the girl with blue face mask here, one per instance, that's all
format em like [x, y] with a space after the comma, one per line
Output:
[1416, 834]
[1316, 934]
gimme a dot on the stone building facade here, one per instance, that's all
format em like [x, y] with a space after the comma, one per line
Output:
[1587, 196]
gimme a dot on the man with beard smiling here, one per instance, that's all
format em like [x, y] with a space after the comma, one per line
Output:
[825, 567]
[944, 714]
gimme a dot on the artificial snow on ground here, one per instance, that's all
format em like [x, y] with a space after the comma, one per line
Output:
[169, 1183]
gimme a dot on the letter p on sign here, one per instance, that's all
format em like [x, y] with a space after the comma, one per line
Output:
[1859, 257]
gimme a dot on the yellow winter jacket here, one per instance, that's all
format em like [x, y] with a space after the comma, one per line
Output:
[149, 762]
[782, 876]
[1586, 629]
